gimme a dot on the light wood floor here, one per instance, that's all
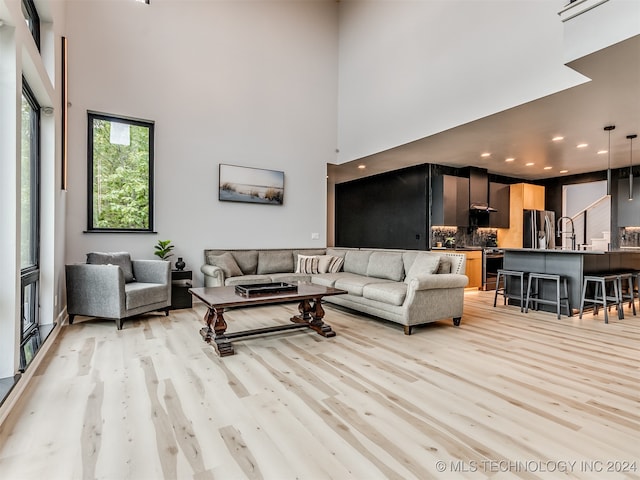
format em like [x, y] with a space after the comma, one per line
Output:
[505, 395]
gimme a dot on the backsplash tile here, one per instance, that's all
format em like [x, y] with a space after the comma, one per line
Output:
[464, 237]
[629, 236]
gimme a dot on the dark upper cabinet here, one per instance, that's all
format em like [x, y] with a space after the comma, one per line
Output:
[628, 210]
[450, 201]
[499, 199]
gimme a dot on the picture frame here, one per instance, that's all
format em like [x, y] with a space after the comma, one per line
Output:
[250, 185]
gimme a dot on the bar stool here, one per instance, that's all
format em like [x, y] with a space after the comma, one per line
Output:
[601, 281]
[533, 296]
[504, 275]
[628, 278]
[636, 287]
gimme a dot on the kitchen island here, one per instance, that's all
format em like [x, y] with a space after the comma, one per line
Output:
[573, 264]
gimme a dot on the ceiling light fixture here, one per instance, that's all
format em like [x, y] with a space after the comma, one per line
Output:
[631, 137]
[509, 159]
[602, 152]
[608, 128]
[582, 145]
[486, 154]
[557, 139]
[564, 171]
[362, 167]
[548, 168]
[529, 164]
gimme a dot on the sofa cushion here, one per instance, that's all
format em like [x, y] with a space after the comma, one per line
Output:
[393, 293]
[386, 265]
[247, 260]
[307, 264]
[356, 261]
[425, 263]
[290, 277]
[326, 279]
[227, 263]
[121, 259]
[275, 261]
[248, 280]
[140, 294]
[354, 283]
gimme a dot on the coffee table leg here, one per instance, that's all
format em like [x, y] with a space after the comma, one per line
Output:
[222, 343]
[317, 323]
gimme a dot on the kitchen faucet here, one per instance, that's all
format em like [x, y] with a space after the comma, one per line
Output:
[572, 232]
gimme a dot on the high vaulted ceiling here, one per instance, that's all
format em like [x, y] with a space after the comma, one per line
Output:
[525, 133]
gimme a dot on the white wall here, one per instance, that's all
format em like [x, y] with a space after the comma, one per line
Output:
[410, 69]
[243, 83]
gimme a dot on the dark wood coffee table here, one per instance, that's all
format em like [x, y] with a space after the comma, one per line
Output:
[219, 298]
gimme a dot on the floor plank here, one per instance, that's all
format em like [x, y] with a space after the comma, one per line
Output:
[505, 395]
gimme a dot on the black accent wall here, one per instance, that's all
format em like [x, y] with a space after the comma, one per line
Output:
[384, 211]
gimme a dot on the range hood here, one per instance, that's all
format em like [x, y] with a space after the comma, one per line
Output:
[479, 191]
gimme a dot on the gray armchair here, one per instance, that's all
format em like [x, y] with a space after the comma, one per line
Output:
[101, 291]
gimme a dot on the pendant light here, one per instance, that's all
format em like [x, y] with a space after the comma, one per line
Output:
[608, 128]
[631, 137]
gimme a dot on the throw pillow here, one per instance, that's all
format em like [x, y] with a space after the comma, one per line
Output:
[121, 259]
[227, 263]
[324, 262]
[424, 263]
[445, 265]
[335, 265]
[307, 264]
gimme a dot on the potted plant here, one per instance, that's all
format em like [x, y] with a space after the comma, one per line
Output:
[163, 249]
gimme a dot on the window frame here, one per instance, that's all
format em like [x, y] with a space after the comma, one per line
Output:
[30, 13]
[30, 335]
[35, 180]
[150, 124]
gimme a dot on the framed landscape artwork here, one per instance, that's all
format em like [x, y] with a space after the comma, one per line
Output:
[250, 185]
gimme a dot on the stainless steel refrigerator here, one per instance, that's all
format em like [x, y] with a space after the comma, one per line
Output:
[539, 229]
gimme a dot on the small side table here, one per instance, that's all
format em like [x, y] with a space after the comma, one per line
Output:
[181, 282]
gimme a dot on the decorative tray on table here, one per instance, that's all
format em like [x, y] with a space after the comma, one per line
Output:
[265, 289]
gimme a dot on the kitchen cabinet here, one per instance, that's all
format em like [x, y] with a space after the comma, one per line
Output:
[628, 210]
[522, 196]
[474, 268]
[499, 199]
[449, 201]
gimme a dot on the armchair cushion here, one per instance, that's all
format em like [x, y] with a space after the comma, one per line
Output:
[121, 259]
[141, 294]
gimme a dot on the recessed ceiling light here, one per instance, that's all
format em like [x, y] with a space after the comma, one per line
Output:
[602, 152]
[548, 168]
[564, 171]
[557, 139]
[485, 154]
[529, 164]
[582, 145]
[509, 159]
[362, 167]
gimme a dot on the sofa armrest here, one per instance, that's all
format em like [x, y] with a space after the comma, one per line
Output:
[152, 271]
[441, 280]
[83, 281]
[213, 276]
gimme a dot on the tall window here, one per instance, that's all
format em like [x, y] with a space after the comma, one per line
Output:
[33, 19]
[29, 226]
[120, 166]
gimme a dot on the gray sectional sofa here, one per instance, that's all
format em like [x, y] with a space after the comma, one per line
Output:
[408, 287]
